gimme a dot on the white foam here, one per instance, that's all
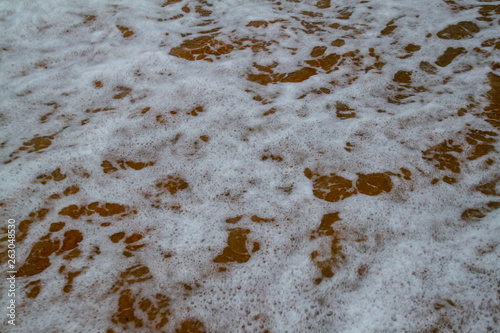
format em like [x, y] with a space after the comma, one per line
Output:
[410, 260]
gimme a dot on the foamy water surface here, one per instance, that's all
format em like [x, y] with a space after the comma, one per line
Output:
[252, 166]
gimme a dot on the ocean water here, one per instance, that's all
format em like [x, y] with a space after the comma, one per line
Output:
[251, 166]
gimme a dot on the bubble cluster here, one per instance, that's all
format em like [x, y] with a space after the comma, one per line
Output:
[252, 166]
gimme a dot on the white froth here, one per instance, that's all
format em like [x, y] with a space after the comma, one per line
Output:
[103, 83]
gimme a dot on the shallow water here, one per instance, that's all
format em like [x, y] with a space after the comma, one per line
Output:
[251, 166]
